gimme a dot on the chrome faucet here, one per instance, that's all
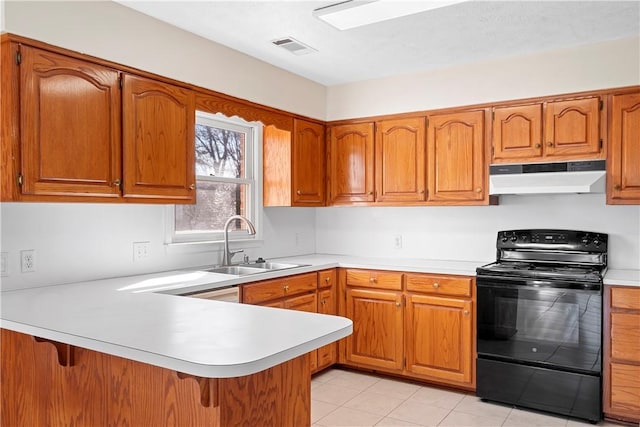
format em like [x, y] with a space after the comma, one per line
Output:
[228, 254]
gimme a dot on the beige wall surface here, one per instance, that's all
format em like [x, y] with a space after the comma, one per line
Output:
[597, 66]
[114, 32]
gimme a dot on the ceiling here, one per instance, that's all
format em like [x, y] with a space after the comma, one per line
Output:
[459, 34]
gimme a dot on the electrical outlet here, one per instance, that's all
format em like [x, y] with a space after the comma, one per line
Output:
[28, 261]
[140, 250]
[4, 264]
[397, 241]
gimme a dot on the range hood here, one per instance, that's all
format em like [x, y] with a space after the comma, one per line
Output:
[548, 178]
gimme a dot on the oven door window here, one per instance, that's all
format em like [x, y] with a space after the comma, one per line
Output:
[558, 327]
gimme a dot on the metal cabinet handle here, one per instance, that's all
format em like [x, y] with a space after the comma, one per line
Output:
[436, 285]
[549, 144]
[117, 183]
[538, 145]
[398, 304]
[298, 192]
[323, 302]
[373, 279]
[466, 312]
[286, 288]
[478, 190]
[326, 279]
[617, 187]
[192, 187]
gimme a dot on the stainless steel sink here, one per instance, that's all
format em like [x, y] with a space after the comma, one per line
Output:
[238, 270]
[254, 268]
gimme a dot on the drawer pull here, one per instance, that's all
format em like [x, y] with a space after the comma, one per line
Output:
[436, 285]
[373, 279]
[466, 312]
[323, 302]
[286, 288]
[326, 279]
[538, 145]
[398, 304]
[549, 144]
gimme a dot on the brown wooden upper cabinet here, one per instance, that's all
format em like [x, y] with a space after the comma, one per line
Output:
[83, 138]
[69, 126]
[623, 163]
[294, 165]
[351, 160]
[457, 157]
[308, 168]
[158, 140]
[400, 160]
[549, 131]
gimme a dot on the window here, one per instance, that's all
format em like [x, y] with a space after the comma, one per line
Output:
[227, 165]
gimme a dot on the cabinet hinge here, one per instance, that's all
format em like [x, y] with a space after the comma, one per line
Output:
[493, 150]
[601, 144]
[19, 180]
[601, 104]
[18, 58]
[120, 81]
[493, 114]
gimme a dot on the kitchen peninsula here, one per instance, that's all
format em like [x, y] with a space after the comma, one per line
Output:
[99, 353]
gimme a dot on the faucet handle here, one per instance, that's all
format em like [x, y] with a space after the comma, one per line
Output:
[246, 259]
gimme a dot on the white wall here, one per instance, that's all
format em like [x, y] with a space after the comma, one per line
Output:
[469, 233]
[598, 66]
[111, 31]
[75, 242]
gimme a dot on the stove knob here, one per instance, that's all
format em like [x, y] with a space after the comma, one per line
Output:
[596, 242]
[585, 240]
[504, 238]
[514, 238]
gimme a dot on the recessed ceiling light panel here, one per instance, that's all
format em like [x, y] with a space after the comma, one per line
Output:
[356, 13]
[294, 46]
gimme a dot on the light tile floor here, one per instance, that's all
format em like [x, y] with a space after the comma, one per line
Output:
[350, 398]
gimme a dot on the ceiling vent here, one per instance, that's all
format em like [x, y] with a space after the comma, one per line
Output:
[293, 46]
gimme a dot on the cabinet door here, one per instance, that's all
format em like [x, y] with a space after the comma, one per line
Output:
[309, 304]
[439, 338]
[70, 126]
[457, 167]
[327, 355]
[158, 141]
[400, 160]
[308, 170]
[517, 133]
[572, 128]
[377, 328]
[351, 163]
[623, 183]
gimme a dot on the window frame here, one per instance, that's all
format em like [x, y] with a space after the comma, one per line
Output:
[253, 166]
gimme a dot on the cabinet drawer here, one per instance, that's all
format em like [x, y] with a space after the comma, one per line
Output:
[625, 336]
[278, 288]
[441, 285]
[627, 298]
[326, 278]
[374, 279]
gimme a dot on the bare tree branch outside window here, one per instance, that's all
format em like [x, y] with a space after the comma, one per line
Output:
[219, 153]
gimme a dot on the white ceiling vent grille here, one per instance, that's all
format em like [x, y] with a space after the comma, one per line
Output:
[294, 46]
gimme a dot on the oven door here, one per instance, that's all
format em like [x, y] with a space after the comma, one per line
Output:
[540, 326]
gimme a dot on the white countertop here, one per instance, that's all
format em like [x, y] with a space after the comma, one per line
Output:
[137, 317]
[199, 337]
[622, 277]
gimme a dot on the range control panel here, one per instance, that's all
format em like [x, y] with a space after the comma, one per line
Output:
[585, 241]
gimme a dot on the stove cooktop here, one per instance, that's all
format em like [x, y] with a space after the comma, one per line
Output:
[520, 269]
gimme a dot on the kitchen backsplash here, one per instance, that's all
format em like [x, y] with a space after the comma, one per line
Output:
[75, 242]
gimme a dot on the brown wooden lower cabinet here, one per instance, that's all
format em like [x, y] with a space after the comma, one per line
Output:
[311, 292]
[621, 392]
[419, 326]
[54, 384]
